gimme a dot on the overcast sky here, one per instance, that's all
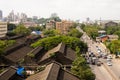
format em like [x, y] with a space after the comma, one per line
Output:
[66, 9]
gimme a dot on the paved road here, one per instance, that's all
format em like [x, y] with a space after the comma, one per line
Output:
[101, 72]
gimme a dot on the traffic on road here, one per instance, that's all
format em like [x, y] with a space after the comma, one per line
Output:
[100, 60]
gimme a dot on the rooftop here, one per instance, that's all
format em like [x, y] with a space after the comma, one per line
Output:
[53, 71]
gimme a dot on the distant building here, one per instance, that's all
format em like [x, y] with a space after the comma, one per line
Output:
[102, 23]
[113, 37]
[3, 29]
[101, 32]
[111, 23]
[1, 15]
[11, 16]
[64, 26]
[50, 25]
[23, 17]
[104, 38]
[29, 24]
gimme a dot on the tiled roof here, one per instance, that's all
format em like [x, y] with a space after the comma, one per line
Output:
[61, 51]
[8, 74]
[53, 71]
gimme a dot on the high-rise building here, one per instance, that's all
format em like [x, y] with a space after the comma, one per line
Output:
[3, 29]
[23, 17]
[1, 15]
[11, 16]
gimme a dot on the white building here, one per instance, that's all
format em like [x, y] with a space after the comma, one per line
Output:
[3, 29]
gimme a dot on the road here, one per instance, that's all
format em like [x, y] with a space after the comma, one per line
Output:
[103, 72]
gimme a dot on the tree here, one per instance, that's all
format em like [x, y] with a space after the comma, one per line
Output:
[117, 33]
[2, 47]
[75, 33]
[81, 69]
[92, 31]
[55, 17]
[11, 26]
[50, 42]
[4, 44]
[21, 29]
[82, 26]
[114, 46]
[51, 32]
[112, 29]
[37, 28]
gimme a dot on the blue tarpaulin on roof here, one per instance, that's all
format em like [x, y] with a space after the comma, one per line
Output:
[37, 32]
[20, 71]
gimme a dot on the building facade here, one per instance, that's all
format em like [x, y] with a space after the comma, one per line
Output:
[50, 25]
[29, 24]
[64, 26]
[111, 23]
[1, 15]
[3, 29]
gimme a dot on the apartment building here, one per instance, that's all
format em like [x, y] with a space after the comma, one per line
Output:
[3, 29]
[50, 25]
[64, 26]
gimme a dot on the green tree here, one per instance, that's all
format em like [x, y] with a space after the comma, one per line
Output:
[74, 33]
[51, 32]
[37, 28]
[55, 17]
[81, 69]
[2, 47]
[112, 29]
[114, 46]
[21, 29]
[50, 42]
[4, 44]
[92, 31]
[117, 33]
[82, 26]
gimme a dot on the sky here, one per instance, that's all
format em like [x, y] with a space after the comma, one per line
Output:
[66, 9]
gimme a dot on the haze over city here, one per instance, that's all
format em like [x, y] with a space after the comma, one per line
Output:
[66, 9]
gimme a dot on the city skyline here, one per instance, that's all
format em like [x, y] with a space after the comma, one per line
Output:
[69, 9]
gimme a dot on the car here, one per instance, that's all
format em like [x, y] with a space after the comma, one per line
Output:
[109, 56]
[98, 63]
[104, 56]
[87, 61]
[108, 59]
[98, 51]
[109, 63]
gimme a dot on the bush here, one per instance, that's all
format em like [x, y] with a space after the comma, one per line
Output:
[50, 42]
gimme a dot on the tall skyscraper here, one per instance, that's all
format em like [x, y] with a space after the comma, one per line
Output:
[11, 16]
[23, 17]
[1, 15]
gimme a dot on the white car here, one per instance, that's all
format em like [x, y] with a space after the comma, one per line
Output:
[98, 51]
[109, 63]
[108, 59]
[109, 56]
